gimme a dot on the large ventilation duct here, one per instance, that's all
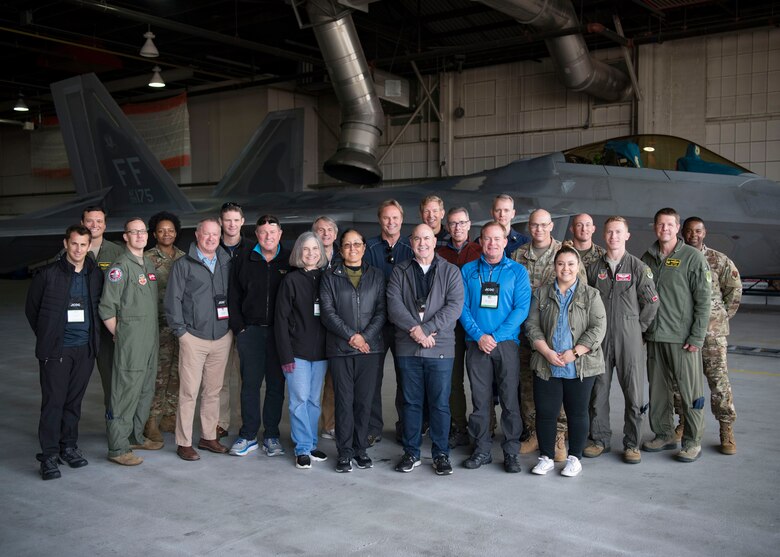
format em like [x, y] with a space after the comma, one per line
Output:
[576, 68]
[362, 119]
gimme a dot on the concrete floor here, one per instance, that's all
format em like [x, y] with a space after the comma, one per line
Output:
[720, 505]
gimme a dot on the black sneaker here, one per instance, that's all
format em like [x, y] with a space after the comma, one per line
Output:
[407, 463]
[344, 464]
[303, 461]
[477, 459]
[318, 456]
[458, 438]
[49, 469]
[363, 461]
[73, 458]
[511, 463]
[442, 466]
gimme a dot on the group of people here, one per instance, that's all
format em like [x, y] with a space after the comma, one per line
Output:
[538, 327]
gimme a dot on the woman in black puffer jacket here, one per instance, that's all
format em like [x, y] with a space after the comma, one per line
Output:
[352, 298]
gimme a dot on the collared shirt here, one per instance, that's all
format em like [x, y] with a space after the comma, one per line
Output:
[562, 338]
[260, 251]
[210, 263]
[77, 333]
[381, 255]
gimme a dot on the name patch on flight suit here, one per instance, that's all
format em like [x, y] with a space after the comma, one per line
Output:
[489, 295]
[115, 274]
[623, 277]
[672, 263]
[152, 277]
[75, 311]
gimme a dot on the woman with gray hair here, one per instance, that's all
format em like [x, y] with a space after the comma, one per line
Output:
[300, 341]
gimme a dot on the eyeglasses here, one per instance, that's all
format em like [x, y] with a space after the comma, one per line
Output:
[353, 245]
[458, 224]
[538, 226]
[137, 232]
[231, 205]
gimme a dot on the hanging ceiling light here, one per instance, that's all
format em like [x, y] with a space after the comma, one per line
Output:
[157, 80]
[20, 105]
[149, 50]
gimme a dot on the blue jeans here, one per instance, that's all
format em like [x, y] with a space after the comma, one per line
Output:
[259, 361]
[304, 386]
[421, 377]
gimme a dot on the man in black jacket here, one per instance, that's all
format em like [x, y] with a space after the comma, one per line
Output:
[254, 281]
[62, 310]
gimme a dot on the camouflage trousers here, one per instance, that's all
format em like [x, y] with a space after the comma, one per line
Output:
[166, 385]
[714, 358]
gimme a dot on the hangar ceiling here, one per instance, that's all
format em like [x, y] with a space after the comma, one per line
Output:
[208, 46]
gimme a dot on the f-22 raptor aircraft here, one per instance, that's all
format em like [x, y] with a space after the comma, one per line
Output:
[630, 176]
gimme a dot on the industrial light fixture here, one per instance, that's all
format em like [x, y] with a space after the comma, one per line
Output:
[157, 80]
[149, 50]
[20, 105]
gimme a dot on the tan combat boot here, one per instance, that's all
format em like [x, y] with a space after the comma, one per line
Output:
[168, 423]
[127, 459]
[530, 445]
[560, 447]
[727, 443]
[678, 431]
[152, 431]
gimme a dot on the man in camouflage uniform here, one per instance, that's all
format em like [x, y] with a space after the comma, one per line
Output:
[582, 229]
[537, 257]
[165, 227]
[726, 295]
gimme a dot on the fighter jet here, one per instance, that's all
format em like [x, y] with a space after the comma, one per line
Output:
[631, 176]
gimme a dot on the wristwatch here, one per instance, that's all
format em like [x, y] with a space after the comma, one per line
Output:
[574, 351]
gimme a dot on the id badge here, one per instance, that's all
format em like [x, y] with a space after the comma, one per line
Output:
[317, 307]
[488, 298]
[420, 305]
[75, 312]
[220, 302]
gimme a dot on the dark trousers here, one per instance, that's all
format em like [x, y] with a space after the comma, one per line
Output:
[501, 365]
[63, 384]
[259, 360]
[458, 390]
[105, 363]
[354, 380]
[575, 396]
[426, 379]
[376, 423]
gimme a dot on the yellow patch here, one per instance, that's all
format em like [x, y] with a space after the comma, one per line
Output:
[103, 265]
[708, 275]
[672, 262]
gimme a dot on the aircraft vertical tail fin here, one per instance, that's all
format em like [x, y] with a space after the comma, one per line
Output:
[105, 151]
[272, 160]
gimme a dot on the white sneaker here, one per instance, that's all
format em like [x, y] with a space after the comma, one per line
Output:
[572, 468]
[544, 466]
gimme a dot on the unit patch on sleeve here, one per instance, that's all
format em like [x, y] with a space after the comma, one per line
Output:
[115, 274]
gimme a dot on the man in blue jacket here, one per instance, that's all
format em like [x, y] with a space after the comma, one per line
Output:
[497, 297]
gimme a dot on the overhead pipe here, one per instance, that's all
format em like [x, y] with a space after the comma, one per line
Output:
[362, 119]
[575, 67]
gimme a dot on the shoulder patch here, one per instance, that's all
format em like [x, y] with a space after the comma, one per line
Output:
[115, 274]
[708, 276]
[648, 272]
[734, 274]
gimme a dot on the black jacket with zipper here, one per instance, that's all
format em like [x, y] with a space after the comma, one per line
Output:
[299, 332]
[254, 283]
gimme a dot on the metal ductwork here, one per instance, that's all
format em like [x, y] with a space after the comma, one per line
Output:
[362, 119]
[575, 66]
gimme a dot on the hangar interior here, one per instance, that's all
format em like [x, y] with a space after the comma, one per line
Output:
[708, 71]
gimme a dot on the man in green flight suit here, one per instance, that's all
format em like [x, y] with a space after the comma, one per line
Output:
[675, 338]
[128, 308]
[104, 253]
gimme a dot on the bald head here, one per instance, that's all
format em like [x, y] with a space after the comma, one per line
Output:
[423, 242]
[582, 229]
[540, 226]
